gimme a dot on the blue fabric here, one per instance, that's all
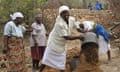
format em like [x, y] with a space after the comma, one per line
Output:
[38, 15]
[100, 30]
[98, 6]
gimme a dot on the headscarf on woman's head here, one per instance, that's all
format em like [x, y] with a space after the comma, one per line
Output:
[16, 14]
[38, 15]
[63, 8]
[88, 25]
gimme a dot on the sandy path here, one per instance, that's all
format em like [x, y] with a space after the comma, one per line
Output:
[113, 66]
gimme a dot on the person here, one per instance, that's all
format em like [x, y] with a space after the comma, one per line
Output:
[89, 48]
[89, 60]
[90, 7]
[13, 43]
[37, 41]
[55, 53]
[102, 35]
[98, 6]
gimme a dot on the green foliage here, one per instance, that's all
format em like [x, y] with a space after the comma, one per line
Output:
[42, 2]
[27, 7]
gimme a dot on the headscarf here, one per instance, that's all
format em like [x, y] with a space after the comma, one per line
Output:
[63, 8]
[88, 25]
[16, 14]
[38, 15]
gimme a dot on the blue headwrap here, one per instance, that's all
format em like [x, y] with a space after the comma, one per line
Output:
[38, 15]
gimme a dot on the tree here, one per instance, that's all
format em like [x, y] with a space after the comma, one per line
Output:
[27, 7]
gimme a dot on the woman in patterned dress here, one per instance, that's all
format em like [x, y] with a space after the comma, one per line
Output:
[13, 43]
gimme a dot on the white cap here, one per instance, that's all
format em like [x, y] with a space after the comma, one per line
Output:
[63, 8]
[16, 14]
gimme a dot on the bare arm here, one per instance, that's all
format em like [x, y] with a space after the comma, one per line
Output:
[29, 30]
[82, 31]
[73, 37]
[78, 30]
[47, 34]
[5, 44]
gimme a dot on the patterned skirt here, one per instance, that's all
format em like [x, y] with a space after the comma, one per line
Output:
[16, 55]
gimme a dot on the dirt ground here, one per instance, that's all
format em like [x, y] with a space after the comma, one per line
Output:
[73, 50]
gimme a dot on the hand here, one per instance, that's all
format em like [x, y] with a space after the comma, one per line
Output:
[29, 30]
[47, 34]
[82, 38]
[4, 51]
[36, 44]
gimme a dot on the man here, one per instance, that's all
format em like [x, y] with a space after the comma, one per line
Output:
[90, 7]
[102, 35]
[55, 53]
[98, 5]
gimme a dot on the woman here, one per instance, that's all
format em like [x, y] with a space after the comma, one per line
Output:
[102, 34]
[37, 41]
[13, 43]
[89, 60]
[55, 53]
